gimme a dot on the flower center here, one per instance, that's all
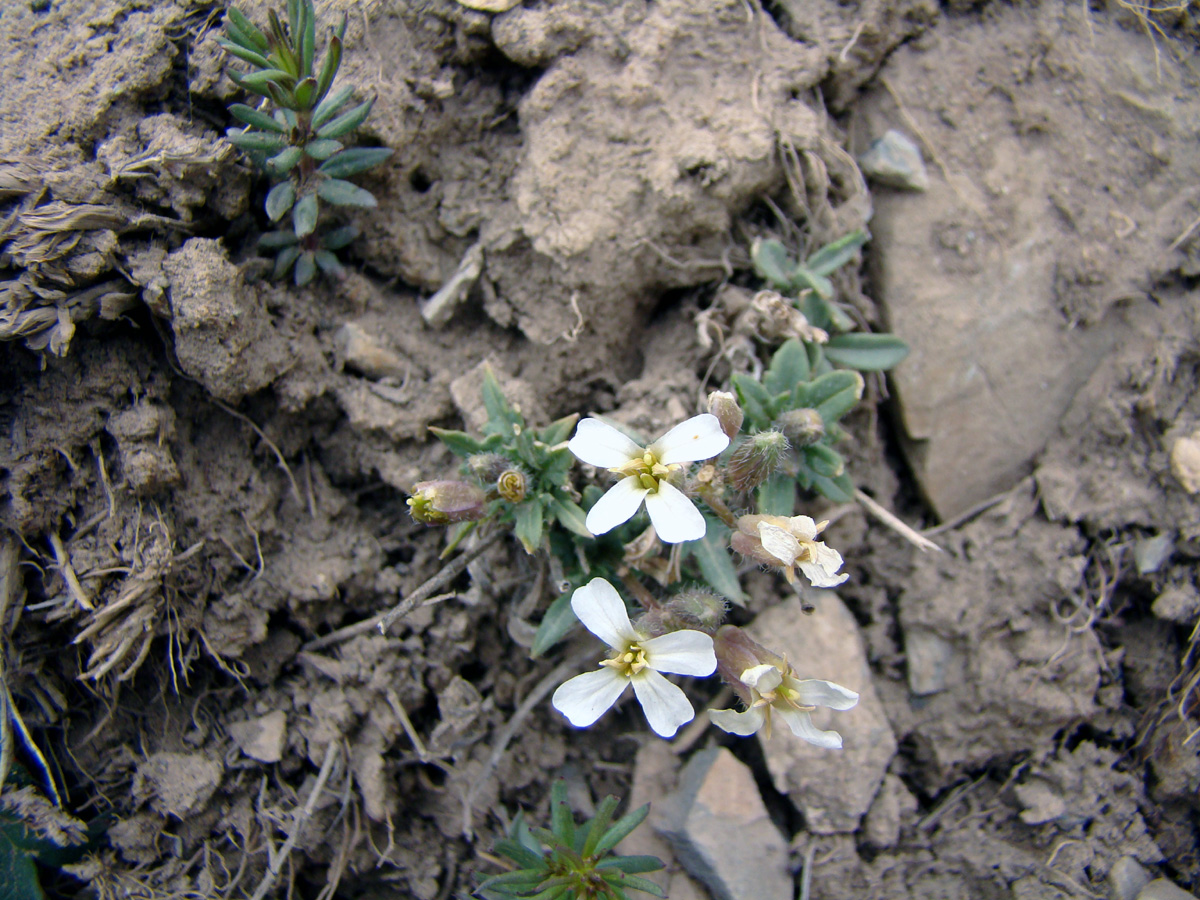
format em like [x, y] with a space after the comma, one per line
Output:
[629, 661]
[647, 468]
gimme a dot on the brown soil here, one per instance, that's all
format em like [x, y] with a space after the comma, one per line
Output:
[207, 473]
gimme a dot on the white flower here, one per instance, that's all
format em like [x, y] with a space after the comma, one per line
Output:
[646, 471]
[635, 659]
[792, 699]
[786, 542]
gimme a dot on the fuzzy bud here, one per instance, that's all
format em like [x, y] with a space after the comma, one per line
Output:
[513, 484]
[697, 609]
[755, 459]
[724, 406]
[803, 427]
[446, 502]
[736, 653]
[488, 467]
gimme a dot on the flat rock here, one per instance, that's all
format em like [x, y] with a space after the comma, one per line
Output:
[1179, 604]
[177, 784]
[895, 161]
[833, 788]
[721, 833]
[262, 738]
[1161, 889]
[1126, 879]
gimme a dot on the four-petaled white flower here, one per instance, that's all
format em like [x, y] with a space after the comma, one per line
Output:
[646, 472]
[637, 660]
[792, 699]
[787, 542]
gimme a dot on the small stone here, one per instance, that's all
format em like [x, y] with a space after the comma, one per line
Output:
[1161, 889]
[1180, 605]
[467, 393]
[832, 788]
[881, 828]
[1185, 462]
[1042, 803]
[928, 656]
[1150, 553]
[1126, 878]
[177, 784]
[363, 353]
[721, 833]
[262, 738]
[895, 161]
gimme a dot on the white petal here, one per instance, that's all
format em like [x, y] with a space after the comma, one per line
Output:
[602, 611]
[779, 542]
[665, 705]
[763, 678]
[681, 652]
[616, 506]
[587, 697]
[599, 444]
[674, 516]
[822, 569]
[700, 437]
[803, 527]
[814, 692]
[739, 723]
[802, 727]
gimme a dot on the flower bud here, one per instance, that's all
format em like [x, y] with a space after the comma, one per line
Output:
[696, 609]
[446, 502]
[755, 459]
[724, 406]
[803, 427]
[513, 484]
[736, 653]
[488, 467]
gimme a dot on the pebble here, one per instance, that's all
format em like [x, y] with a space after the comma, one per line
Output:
[1178, 604]
[262, 738]
[1161, 889]
[363, 353]
[895, 161]
[1126, 878]
[1185, 462]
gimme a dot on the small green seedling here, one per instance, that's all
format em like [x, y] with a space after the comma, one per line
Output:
[569, 861]
[300, 141]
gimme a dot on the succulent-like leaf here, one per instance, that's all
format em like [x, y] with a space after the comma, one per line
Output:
[642, 884]
[328, 263]
[631, 865]
[259, 81]
[256, 118]
[255, 141]
[286, 258]
[804, 279]
[346, 122]
[247, 29]
[716, 565]
[570, 515]
[329, 106]
[839, 489]
[344, 193]
[458, 441]
[866, 352]
[306, 269]
[354, 160]
[246, 55]
[622, 828]
[529, 525]
[304, 215]
[788, 366]
[276, 240]
[285, 161]
[824, 460]
[520, 854]
[306, 34]
[562, 823]
[754, 399]
[282, 96]
[339, 237]
[777, 495]
[773, 263]
[834, 255]
[280, 199]
[333, 59]
[322, 149]
[306, 89]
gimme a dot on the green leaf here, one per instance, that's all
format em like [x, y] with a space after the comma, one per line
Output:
[839, 490]
[621, 829]
[258, 119]
[558, 430]
[824, 461]
[306, 89]
[632, 864]
[322, 149]
[833, 256]
[285, 161]
[254, 140]
[282, 96]
[280, 200]
[501, 416]
[355, 160]
[330, 105]
[346, 122]
[816, 311]
[716, 565]
[831, 384]
[789, 366]
[570, 515]
[804, 279]
[836, 404]
[307, 35]
[777, 495]
[276, 240]
[260, 82]
[773, 264]
[328, 263]
[304, 215]
[283, 262]
[245, 54]
[520, 854]
[754, 400]
[306, 269]
[866, 352]
[528, 525]
[558, 621]
[343, 193]
[459, 442]
[644, 885]
[522, 878]
[333, 59]
[339, 237]
[246, 28]
[839, 319]
[18, 874]
[599, 825]
[562, 823]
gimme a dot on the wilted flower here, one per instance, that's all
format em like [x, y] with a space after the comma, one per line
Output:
[513, 484]
[637, 660]
[786, 542]
[768, 685]
[803, 427]
[446, 502]
[724, 406]
[646, 472]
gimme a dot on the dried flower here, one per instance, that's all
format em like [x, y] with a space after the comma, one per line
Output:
[446, 502]
[784, 543]
[724, 406]
[803, 427]
[636, 659]
[646, 472]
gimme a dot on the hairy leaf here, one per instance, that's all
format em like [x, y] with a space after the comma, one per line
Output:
[354, 160]
[344, 193]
